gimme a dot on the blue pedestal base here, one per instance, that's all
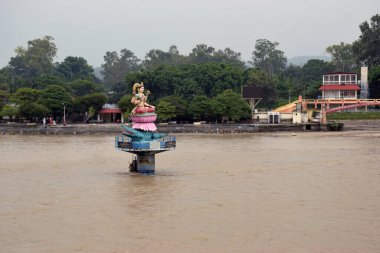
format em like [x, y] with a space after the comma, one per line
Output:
[145, 151]
[145, 163]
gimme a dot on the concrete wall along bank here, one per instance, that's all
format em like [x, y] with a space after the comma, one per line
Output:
[177, 128]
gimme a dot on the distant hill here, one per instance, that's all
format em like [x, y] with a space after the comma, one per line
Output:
[97, 72]
[301, 60]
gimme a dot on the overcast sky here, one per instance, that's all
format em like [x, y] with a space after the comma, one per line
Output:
[90, 28]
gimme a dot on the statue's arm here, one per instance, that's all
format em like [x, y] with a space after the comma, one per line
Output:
[136, 99]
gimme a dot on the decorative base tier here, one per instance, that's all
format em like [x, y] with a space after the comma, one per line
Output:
[144, 122]
[145, 151]
[151, 127]
[144, 118]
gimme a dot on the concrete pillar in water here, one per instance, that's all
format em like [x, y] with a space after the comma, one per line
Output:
[145, 151]
[145, 162]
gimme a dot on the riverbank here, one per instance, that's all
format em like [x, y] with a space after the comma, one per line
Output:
[164, 128]
[87, 129]
[367, 125]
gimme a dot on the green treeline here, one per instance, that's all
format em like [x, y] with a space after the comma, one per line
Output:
[203, 85]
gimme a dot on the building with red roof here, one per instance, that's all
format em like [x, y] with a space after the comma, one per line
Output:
[340, 85]
[110, 113]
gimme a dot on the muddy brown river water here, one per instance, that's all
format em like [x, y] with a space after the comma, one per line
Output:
[270, 192]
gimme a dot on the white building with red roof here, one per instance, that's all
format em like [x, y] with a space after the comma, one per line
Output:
[110, 113]
[340, 85]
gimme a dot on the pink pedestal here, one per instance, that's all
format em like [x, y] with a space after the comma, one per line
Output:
[151, 127]
[144, 123]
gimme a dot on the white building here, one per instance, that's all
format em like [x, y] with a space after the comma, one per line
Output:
[340, 86]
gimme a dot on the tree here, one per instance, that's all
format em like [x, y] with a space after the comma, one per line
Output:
[157, 57]
[10, 111]
[342, 57]
[32, 111]
[36, 59]
[161, 80]
[200, 108]
[229, 105]
[314, 69]
[165, 111]
[84, 87]
[229, 56]
[95, 100]
[293, 72]
[179, 104]
[214, 78]
[53, 97]
[312, 73]
[287, 89]
[4, 97]
[187, 88]
[26, 99]
[116, 67]
[5, 79]
[187, 80]
[41, 82]
[24, 95]
[268, 58]
[75, 68]
[367, 47]
[285, 93]
[374, 82]
[201, 54]
[125, 103]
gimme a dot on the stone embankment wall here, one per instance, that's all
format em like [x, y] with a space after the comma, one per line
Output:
[177, 128]
[349, 125]
[367, 125]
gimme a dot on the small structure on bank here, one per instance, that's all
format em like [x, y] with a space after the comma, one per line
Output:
[142, 139]
[340, 86]
[110, 113]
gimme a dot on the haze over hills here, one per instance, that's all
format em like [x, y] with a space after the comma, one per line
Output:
[97, 72]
